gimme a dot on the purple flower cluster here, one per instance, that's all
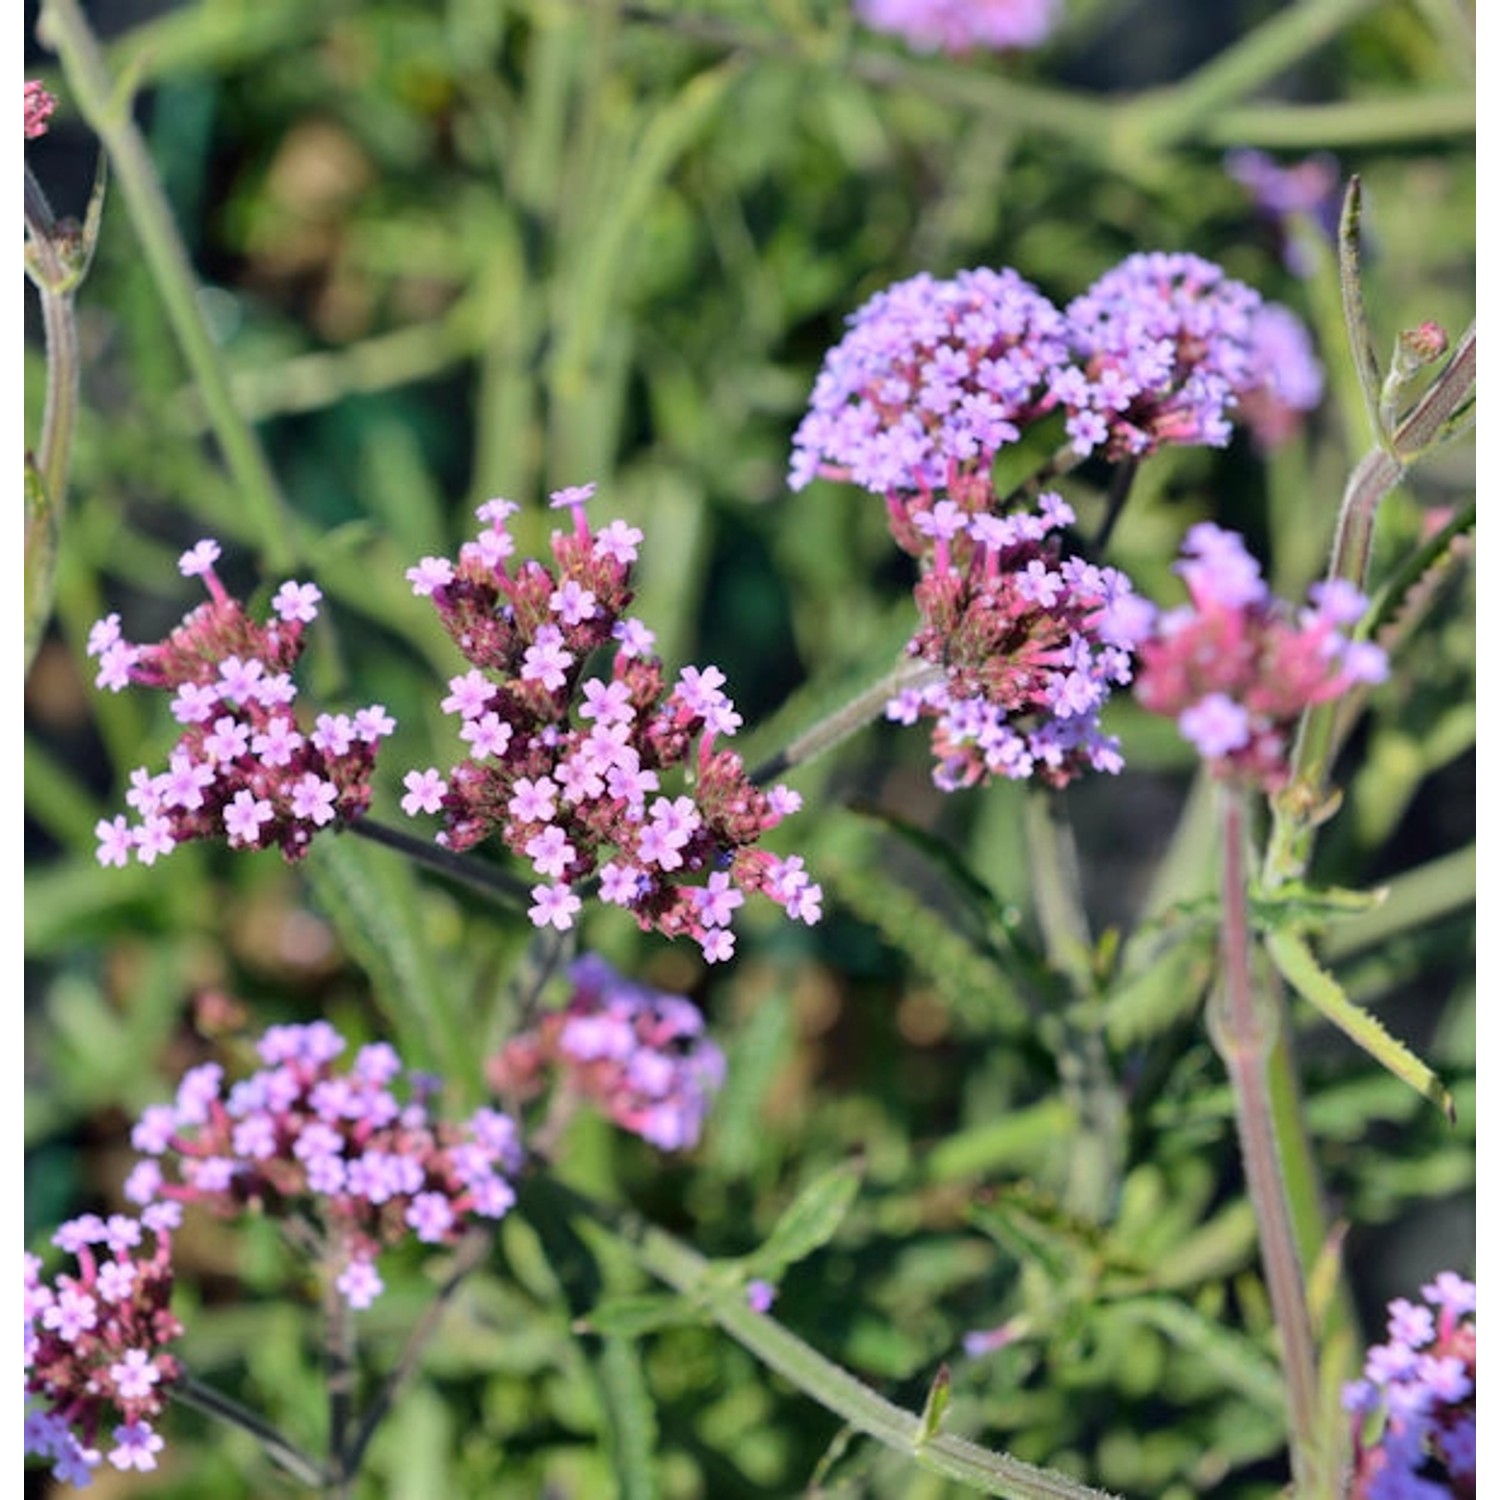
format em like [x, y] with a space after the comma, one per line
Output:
[962, 25]
[339, 1147]
[39, 107]
[243, 768]
[97, 1369]
[568, 769]
[1162, 349]
[1030, 645]
[637, 1054]
[931, 381]
[1235, 667]
[1309, 188]
[1415, 1408]
[934, 377]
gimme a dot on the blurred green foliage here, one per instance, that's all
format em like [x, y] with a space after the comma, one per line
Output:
[458, 249]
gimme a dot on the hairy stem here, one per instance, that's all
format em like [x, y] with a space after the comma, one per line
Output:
[285, 1454]
[106, 108]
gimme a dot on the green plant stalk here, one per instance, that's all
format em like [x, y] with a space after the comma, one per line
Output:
[1289, 35]
[338, 1361]
[477, 874]
[44, 511]
[864, 708]
[106, 108]
[1245, 1031]
[1396, 119]
[831, 1386]
[285, 1454]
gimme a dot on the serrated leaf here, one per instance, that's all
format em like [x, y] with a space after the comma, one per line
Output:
[630, 1317]
[1320, 989]
[1295, 905]
[808, 1224]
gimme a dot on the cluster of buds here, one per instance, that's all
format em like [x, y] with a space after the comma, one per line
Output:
[1236, 668]
[637, 1054]
[568, 768]
[1415, 1407]
[1030, 645]
[338, 1149]
[958, 26]
[97, 1369]
[39, 107]
[242, 769]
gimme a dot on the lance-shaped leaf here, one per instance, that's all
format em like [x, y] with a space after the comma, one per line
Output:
[1356, 319]
[808, 1224]
[1319, 988]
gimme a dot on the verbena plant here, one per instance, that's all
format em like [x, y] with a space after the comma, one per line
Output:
[749, 752]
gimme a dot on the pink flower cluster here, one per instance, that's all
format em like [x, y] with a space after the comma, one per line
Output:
[96, 1362]
[568, 769]
[243, 769]
[637, 1054]
[1236, 668]
[962, 25]
[39, 107]
[337, 1146]
[1416, 1433]
[1030, 645]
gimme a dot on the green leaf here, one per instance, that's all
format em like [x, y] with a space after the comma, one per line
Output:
[1319, 988]
[1295, 906]
[632, 1419]
[1356, 319]
[808, 1224]
[1019, 1137]
[630, 1317]
[938, 1398]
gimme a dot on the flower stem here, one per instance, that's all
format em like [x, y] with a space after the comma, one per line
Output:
[338, 1357]
[105, 105]
[864, 708]
[476, 874]
[1245, 1031]
[834, 1388]
[285, 1454]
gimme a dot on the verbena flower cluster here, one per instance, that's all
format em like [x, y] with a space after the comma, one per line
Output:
[1415, 1408]
[39, 107]
[341, 1147]
[1236, 667]
[931, 381]
[637, 1054]
[243, 768]
[935, 377]
[568, 767]
[962, 25]
[1029, 643]
[97, 1367]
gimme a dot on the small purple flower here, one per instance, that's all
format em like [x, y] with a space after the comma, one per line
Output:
[297, 601]
[424, 792]
[199, 560]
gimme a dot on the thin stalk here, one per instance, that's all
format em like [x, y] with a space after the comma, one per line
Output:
[474, 873]
[864, 708]
[106, 108]
[282, 1452]
[338, 1359]
[471, 1252]
[1245, 1032]
[832, 1387]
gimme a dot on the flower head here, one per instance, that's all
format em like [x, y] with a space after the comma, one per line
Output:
[242, 770]
[353, 1147]
[962, 25]
[1236, 667]
[931, 381]
[1162, 344]
[96, 1362]
[573, 771]
[637, 1054]
[1415, 1408]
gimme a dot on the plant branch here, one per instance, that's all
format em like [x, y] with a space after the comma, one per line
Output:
[285, 1454]
[477, 874]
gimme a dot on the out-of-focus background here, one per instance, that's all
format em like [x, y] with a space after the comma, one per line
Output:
[461, 248]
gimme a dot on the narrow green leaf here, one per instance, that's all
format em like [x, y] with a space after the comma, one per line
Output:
[938, 1398]
[1295, 905]
[632, 1419]
[1017, 1138]
[630, 1317]
[808, 1224]
[1320, 989]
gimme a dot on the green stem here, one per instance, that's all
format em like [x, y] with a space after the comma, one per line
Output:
[286, 1455]
[338, 1358]
[1245, 1031]
[106, 108]
[833, 1387]
[474, 873]
[865, 708]
[1399, 119]
[471, 1252]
